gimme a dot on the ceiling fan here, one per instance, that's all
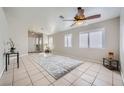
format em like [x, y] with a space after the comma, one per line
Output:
[80, 17]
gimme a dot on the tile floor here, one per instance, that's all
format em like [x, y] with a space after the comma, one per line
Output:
[32, 74]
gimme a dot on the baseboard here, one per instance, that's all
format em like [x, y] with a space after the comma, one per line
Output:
[80, 58]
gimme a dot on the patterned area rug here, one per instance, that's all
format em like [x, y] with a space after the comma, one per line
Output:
[57, 66]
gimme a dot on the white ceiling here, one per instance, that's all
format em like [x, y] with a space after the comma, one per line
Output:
[48, 18]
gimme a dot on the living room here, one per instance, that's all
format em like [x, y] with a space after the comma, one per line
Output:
[71, 49]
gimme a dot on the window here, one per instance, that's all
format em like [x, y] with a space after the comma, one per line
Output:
[96, 39]
[93, 39]
[68, 40]
[50, 42]
[83, 40]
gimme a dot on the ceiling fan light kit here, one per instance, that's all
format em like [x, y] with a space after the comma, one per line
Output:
[80, 17]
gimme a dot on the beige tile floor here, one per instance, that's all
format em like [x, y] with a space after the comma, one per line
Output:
[32, 74]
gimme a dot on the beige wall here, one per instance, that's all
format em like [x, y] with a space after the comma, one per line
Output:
[3, 39]
[111, 41]
[122, 41]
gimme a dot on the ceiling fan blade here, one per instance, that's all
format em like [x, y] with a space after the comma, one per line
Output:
[69, 20]
[73, 24]
[92, 17]
[62, 17]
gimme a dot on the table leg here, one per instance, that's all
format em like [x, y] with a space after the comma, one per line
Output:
[110, 63]
[117, 65]
[103, 61]
[6, 61]
[17, 60]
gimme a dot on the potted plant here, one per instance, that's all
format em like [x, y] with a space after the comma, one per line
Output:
[12, 45]
[111, 55]
[47, 49]
[38, 47]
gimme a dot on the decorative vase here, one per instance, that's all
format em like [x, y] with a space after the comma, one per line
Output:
[12, 49]
[111, 55]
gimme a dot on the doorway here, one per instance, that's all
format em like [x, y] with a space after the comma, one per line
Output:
[35, 42]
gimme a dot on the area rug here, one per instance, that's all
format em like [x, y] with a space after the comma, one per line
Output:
[56, 65]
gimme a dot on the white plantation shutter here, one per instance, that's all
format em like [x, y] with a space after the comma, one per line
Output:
[92, 39]
[68, 40]
[96, 39]
[83, 40]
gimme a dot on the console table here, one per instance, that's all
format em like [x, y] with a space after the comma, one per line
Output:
[8, 57]
[109, 63]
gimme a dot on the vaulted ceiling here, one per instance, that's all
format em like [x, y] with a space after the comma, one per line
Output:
[46, 19]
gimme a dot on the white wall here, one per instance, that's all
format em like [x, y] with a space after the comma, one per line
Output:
[122, 41]
[3, 39]
[18, 33]
[111, 41]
